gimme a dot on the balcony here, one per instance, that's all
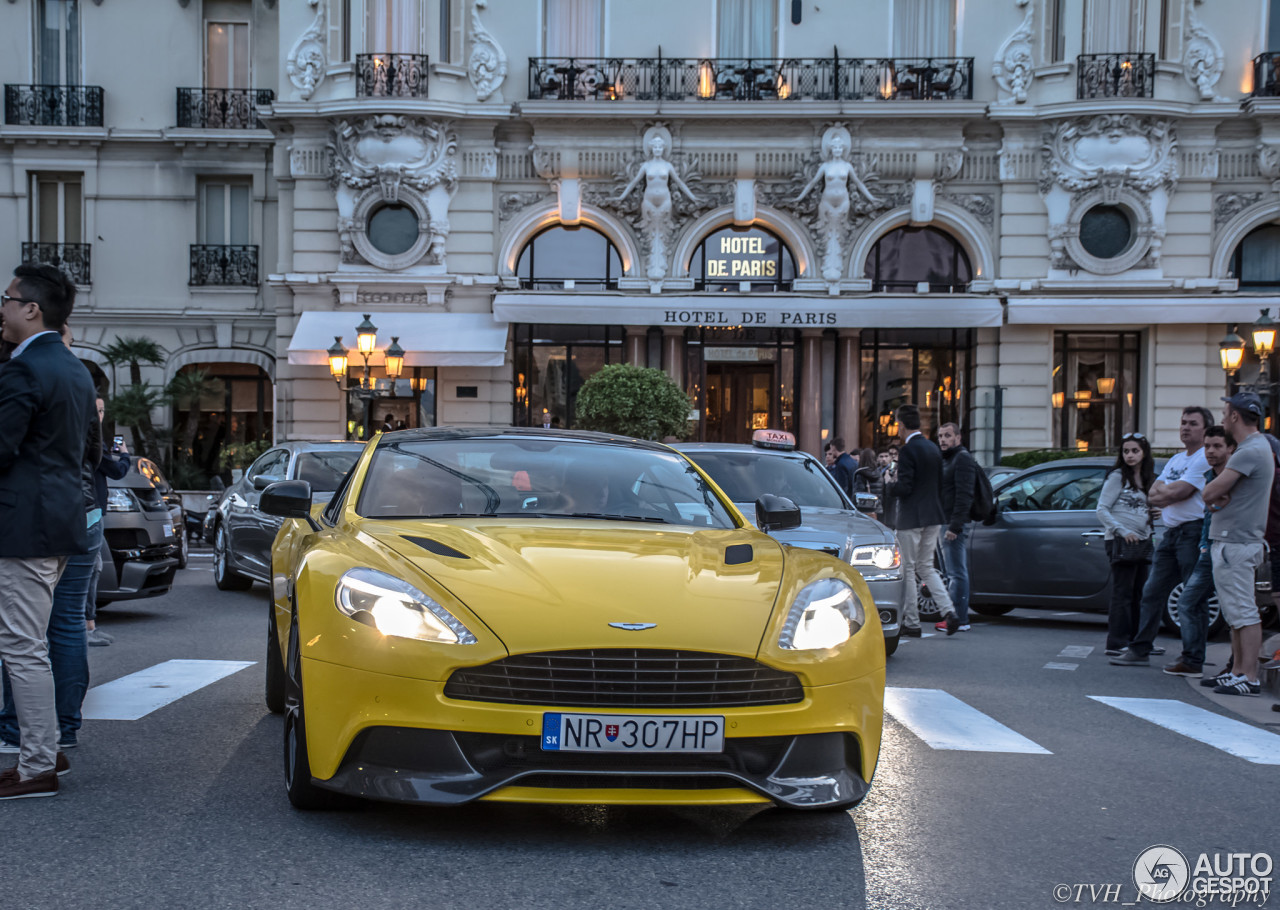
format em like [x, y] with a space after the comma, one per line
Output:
[1122, 75]
[1266, 75]
[750, 79]
[72, 258]
[53, 105]
[223, 265]
[221, 108]
[391, 75]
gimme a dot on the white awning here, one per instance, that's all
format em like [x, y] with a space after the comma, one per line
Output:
[1136, 310]
[959, 311]
[429, 339]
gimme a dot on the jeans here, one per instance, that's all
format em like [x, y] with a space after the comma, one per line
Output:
[918, 546]
[1177, 555]
[1127, 581]
[955, 560]
[68, 646]
[1193, 611]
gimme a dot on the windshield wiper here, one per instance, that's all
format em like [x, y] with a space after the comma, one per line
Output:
[605, 517]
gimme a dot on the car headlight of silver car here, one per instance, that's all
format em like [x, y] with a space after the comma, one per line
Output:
[824, 614]
[121, 500]
[396, 608]
[885, 558]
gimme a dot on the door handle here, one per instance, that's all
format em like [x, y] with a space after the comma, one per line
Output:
[1093, 533]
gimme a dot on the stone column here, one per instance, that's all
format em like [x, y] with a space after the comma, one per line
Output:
[673, 354]
[849, 387]
[637, 346]
[809, 396]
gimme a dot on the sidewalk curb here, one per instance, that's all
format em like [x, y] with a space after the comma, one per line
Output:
[1257, 710]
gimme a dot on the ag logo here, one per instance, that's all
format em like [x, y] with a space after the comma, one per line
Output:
[1161, 873]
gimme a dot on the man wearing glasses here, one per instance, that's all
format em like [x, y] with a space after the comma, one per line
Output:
[46, 402]
[1177, 494]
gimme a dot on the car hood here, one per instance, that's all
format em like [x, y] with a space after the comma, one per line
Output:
[828, 529]
[553, 584]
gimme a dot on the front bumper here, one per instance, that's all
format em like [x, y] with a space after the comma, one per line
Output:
[400, 740]
[887, 594]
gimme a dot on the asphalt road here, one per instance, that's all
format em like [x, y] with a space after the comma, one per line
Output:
[185, 807]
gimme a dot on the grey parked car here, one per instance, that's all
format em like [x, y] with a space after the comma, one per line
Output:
[243, 533]
[142, 540]
[829, 521]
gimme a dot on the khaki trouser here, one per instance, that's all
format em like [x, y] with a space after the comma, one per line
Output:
[917, 546]
[26, 599]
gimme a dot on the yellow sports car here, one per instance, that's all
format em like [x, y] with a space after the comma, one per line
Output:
[562, 617]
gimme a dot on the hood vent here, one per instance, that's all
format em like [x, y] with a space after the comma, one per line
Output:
[738, 554]
[436, 547]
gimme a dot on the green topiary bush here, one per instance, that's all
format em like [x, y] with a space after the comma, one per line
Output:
[633, 401]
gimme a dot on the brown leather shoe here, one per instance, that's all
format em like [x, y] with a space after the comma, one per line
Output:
[14, 787]
[1181, 668]
[61, 765]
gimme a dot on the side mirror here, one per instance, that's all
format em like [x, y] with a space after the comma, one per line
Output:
[776, 513]
[866, 502]
[262, 481]
[287, 499]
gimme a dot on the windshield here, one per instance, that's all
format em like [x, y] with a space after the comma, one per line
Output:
[325, 470]
[536, 478]
[745, 476]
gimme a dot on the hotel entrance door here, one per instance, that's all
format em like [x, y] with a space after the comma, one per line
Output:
[738, 400]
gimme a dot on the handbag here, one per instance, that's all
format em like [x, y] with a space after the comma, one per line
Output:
[1123, 551]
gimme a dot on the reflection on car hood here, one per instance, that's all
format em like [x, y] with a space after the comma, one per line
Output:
[827, 529]
[553, 584]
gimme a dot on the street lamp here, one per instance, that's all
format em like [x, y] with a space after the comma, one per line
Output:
[1264, 336]
[366, 346]
[394, 358]
[337, 359]
[1231, 350]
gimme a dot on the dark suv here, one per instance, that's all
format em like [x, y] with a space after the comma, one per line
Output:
[142, 546]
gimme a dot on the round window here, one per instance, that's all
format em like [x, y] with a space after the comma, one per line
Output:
[1106, 231]
[393, 229]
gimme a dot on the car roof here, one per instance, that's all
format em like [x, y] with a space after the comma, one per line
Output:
[428, 434]
[735, 447]
[330, 445]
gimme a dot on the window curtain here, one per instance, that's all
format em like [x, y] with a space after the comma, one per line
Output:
[924, 28]
[746, 28]
[574, 27]
[58, 25]
[1109, 27]
[393, 27]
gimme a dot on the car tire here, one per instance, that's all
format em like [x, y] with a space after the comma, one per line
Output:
[275, 696]
[1216, 621]
[990, 609]
[303, 794]
[184, 552]
[226, 578]
[891, 645]
[928, 607]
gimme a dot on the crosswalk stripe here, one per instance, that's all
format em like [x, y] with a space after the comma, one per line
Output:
[945, 722]
[138, 694]
[1223, 733]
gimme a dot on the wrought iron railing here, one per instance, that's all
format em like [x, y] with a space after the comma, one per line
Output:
[72, 258]
[223, 265]
[1121, 75]
[1266, 75]
[391, 75]
[832, 78]
[222, 108]
[53, 105]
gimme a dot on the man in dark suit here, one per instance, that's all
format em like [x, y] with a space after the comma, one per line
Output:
[46, 402]
[916, 486]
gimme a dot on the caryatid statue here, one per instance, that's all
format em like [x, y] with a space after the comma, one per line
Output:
[836, 172]
[655, 206]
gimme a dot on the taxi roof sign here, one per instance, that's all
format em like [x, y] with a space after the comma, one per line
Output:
[773, 439]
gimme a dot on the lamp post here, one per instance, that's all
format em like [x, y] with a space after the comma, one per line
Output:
[1231, 352]
[366, 345]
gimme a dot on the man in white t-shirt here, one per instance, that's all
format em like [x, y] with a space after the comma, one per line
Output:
[1176, 493]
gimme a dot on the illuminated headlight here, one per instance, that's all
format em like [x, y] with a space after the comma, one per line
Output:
[121, 500]
[884, 556]
[824, 614]
[397, 608]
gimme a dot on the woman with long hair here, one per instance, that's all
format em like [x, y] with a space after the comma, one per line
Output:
[867, 479]
[1126, 515]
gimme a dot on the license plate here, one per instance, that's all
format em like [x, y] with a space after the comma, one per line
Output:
[631, 733]
[168, 530]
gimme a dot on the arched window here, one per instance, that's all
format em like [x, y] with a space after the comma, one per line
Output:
[1256, 261]
[727, 259]
[561, 257]
[906, 256]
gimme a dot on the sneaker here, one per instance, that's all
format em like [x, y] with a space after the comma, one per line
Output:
[940, 626]
[61, 765]
[1217, 680]
[1113, 652]
[8, 748]
[1157, 651]
[68, 741]
[1130, 659]
[1178, 668]
[14, 787]
[1238, 685]
[952, 623]
[911, 631]
[98, 639]
[965, 628]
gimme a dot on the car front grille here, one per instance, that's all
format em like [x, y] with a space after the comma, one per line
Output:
[626, 678]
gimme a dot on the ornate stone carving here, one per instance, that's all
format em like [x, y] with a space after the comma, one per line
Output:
[1227, 205]
[403, 298]
[1269, 162]
[486, 64]
[384, 159]
[1014, 61]
[835, 172]
[1202, 60]
[980, 205]
[509, 204]
[307, 63]
[657, 213]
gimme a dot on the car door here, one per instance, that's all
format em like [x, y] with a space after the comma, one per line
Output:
[1046, 544]
[249, 535]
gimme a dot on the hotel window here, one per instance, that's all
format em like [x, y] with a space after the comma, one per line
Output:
[561, 257]
[573, 28]
[1256, 260]
[339, 31]
[450, 31]
[394, 27]
[1055, 22]
[930, 368]
[551, 364]
[907, 256]
[1273, 25]
[747, 28]
[224, 215]
[1095, 389]
[1112, 26]
[924, 28]
[408, 403]
[58, 42]
[56, 216]
[226, 55]
[730, 260]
